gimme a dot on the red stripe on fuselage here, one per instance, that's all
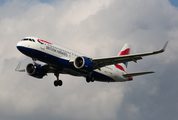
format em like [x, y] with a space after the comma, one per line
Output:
[44, 41]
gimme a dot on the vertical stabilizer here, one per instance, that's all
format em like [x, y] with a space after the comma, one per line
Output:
[124, 51]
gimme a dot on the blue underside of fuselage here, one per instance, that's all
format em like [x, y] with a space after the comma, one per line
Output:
[61, 64]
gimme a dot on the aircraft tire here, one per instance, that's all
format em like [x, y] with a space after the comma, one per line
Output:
[88, 79]
[92, 79]
[58, 83]
[55, 83]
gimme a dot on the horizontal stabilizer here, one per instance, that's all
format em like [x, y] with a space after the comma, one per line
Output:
[137, 74]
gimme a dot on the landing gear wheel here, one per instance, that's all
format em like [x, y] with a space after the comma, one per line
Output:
[58, 83]
[90, 79]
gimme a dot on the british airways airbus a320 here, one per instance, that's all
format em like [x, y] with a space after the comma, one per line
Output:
[60, 60]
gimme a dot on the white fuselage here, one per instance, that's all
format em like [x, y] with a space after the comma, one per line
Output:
[47, 52]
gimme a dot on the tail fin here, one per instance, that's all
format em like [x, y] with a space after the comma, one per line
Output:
[124, 51]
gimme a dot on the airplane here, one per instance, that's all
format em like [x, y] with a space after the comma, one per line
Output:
[61, 60]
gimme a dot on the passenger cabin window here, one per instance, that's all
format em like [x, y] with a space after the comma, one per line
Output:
[32, 40]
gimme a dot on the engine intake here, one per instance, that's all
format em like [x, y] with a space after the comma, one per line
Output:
[84, 64]
[35, 70]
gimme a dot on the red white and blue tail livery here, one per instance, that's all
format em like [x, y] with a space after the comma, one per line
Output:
[61, 60]
[124, 51]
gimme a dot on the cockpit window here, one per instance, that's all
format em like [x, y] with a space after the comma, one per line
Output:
[32, 40]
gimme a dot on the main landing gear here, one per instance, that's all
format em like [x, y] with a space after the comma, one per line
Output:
[57, 82]
[90, 79]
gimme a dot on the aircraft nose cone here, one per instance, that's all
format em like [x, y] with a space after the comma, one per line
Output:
[20, 46]
[23, 48]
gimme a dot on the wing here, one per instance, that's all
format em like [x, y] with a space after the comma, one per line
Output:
[101, 62]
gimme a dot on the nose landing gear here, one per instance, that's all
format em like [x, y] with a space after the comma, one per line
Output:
[57, 82]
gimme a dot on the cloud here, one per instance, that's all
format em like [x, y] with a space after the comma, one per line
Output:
[96, 28]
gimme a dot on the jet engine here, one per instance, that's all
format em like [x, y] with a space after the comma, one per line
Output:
[84, 63]
[35, 70]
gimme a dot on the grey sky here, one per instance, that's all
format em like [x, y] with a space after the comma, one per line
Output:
[97, 28]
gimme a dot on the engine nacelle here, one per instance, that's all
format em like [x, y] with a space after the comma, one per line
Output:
[35, 70]
[84, 64]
